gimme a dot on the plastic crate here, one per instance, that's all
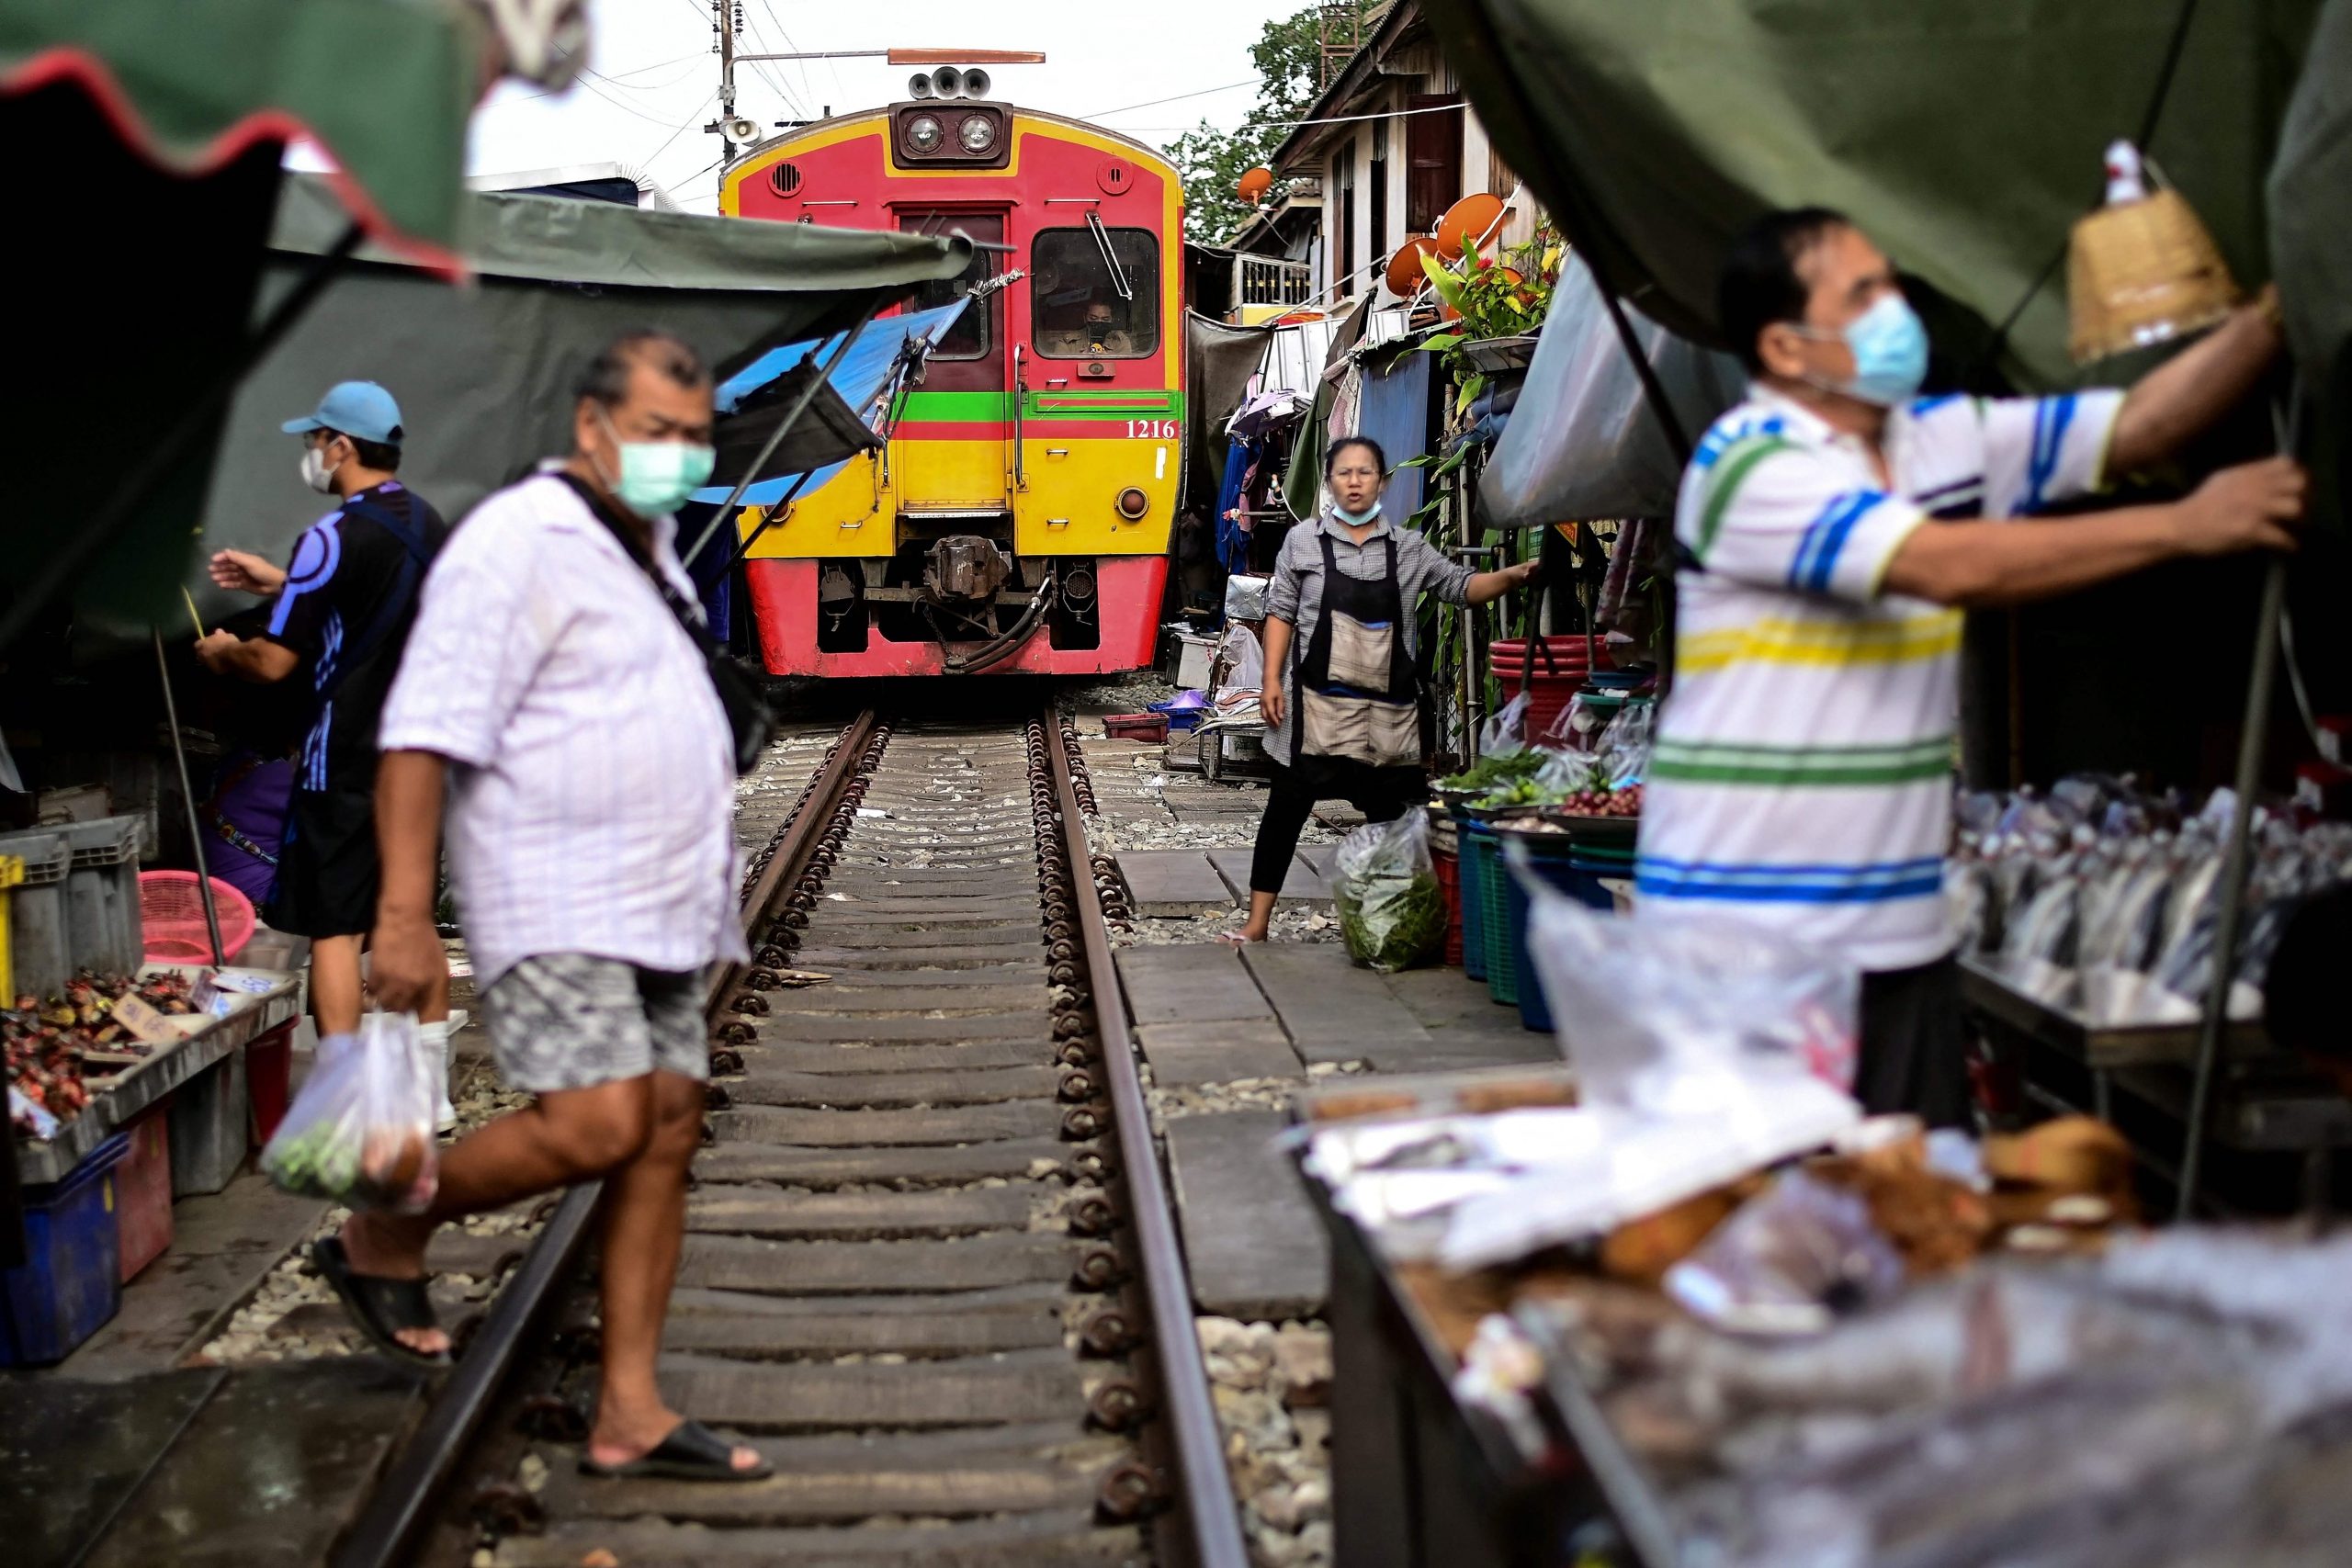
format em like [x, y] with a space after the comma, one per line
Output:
[40, 959]
[142, 1185]
[1474, 929]
[102, 893]
[269, 1072]
[71, 1280]
[1135, 726]
[1570, 873]
[1494, 920]
[211, 1128]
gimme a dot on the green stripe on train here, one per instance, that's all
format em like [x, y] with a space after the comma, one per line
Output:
[996, 408]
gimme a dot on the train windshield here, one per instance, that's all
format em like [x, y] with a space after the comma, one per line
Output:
[973, 335]
[1079, 308]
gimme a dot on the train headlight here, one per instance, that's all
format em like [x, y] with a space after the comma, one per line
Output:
[1133, 504]
[924, 133]
[978, 133]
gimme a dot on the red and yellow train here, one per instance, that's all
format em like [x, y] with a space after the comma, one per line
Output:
[1018, 518]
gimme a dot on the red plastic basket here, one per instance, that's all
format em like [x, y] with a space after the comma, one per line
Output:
[1448, 864]
[171, 919]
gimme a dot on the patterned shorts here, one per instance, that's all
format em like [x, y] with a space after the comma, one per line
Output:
[561, 1021]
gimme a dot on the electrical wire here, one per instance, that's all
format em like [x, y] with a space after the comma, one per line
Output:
[693, 115]
[1155, 103]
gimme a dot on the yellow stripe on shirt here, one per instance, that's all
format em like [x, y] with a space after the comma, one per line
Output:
[1780, 640]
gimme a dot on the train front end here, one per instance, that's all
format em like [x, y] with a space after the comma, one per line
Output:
[1018, 516]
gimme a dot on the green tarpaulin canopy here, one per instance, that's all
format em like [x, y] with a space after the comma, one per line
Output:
[158, 127]
[483, 371]
[1966, 136]
[384, 85]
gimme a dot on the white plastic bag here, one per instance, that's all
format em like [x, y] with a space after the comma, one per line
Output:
[1687, 1014]
[1245, 597]
[1507, 731]
[1244, 661]
[361, 1130]
[1392, 912]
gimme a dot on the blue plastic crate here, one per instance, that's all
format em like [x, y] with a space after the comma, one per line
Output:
[70, 1282]
[1474, 929]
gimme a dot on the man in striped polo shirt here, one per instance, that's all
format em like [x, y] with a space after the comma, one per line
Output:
[1804, 771]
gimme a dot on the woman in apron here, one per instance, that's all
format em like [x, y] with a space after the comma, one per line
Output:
[1341, 699]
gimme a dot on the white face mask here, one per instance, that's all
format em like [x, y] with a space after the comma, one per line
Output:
[315, 471]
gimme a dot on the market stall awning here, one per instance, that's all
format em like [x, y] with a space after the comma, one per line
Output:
[383, 87]
[1583, 440]
[157, 130]
[484, 373]
[1966, 138]
[843, 420]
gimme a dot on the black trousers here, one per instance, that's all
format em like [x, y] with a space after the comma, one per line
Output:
[1290, 801]
[1913, 1054]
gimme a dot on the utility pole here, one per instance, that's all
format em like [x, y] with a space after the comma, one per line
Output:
[726, 27]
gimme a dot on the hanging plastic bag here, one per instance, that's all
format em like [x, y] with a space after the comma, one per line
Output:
[1243, 660]
[1687, 1014]
[1507, 731]
[360, 1132]
[1392, 912]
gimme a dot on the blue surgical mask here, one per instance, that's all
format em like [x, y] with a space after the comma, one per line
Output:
[1889, 351]
[656, 476]
[1356, 519]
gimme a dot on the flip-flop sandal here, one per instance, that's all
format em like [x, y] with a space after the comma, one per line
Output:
[1235, 939]
[381, 1306]
[691, 1452]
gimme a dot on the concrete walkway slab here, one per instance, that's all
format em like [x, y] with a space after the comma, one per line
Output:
[1226, 1052]
[1173, 883]
[1334, 1011]
[1303, 884]
[1254, 1243]
[1194, 983]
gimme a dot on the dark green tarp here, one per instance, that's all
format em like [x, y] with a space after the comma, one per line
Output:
[483, 370]
[152, 132]
[1965, 135]
[385, 87]
[2311, 244]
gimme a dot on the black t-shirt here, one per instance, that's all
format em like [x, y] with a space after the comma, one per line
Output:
[348, 573]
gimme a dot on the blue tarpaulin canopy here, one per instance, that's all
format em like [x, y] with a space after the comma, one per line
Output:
[866, 380]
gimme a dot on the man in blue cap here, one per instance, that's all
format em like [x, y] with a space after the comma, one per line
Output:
[345, 601]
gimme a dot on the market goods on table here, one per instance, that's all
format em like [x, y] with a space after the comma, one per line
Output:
[55, 1046]
[2103, 899]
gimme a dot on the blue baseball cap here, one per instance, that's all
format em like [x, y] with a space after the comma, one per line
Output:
[356, 408]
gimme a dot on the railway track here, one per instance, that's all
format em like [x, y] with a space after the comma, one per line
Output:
[931, 1268]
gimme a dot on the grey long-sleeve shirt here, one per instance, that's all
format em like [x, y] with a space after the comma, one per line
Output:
[1296, 593]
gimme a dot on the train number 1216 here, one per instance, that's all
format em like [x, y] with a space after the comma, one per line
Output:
[1152, 429]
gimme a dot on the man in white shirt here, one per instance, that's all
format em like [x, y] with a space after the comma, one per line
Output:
[589, 771]
[1835, 526]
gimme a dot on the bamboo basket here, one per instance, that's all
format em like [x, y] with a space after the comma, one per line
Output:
[2142, 272]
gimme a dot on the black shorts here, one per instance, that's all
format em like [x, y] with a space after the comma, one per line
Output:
[327, 870]
[1915, 1051]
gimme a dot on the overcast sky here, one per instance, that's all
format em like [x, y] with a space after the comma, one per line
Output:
[656, 79]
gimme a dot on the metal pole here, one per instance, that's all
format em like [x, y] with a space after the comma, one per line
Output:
[775, 436]
[187, 793]
[2214, 1026]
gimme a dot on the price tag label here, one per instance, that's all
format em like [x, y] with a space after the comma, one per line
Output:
[144, 1023]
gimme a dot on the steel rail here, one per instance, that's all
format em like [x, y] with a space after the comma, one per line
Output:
[1199, 1444]
[389, 1527]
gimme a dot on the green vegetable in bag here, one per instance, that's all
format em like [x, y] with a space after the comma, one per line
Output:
[1392, 911]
